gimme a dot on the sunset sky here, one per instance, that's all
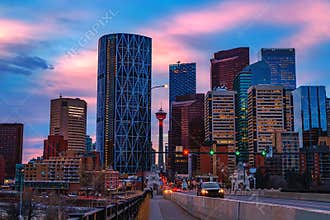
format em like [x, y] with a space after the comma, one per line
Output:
[50, 47]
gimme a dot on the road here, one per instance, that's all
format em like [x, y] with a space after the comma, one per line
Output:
[162, 209]
[324, 206]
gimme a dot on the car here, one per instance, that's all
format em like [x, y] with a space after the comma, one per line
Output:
[210, 189]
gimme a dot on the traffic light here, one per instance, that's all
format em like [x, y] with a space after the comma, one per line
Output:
[263, 153]
[211, 152]
[185, 152]
[237, 153]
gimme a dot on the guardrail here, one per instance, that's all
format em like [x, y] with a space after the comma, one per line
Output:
[125, 209]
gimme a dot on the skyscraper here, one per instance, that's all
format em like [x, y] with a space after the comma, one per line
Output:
[254, 74]
[265, 116]
[282, 66]
[123, 102]
[68, 118]
[188, 129]
[328, 116]
[226, 64]
[310, 114]
[182, 80]
[220, 121]
[11, 144]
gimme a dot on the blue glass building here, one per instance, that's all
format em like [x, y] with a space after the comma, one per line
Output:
[182, 80]
[310, 115]
[254, 74]
[282, 66]
[124, 102]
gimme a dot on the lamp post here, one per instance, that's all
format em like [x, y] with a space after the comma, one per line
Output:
[142, 181]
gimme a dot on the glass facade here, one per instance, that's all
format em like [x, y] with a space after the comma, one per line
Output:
[310, 115]
[182, 80]
[254, 74]
[124, 102]
[282, 66]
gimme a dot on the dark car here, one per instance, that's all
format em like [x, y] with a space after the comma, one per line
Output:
[210, 189]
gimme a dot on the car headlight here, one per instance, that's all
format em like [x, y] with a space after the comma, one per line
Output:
[221, 191]
[204, 191]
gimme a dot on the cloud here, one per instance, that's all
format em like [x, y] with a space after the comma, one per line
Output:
[23, 64]
[310, 17]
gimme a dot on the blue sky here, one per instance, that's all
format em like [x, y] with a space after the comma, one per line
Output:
[49, 47]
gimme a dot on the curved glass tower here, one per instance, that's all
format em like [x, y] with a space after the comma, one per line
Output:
[123, 102]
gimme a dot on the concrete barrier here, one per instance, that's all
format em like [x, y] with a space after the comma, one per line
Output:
[285, 195]
[214, 208]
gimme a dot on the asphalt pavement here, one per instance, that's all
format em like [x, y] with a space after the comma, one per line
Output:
[306, 204]
[162, 209]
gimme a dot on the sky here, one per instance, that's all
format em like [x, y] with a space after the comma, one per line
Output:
[50, 47]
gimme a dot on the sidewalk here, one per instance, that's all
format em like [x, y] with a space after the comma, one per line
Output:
[161, 209]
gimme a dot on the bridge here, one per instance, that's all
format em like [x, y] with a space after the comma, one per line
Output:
[272, 205]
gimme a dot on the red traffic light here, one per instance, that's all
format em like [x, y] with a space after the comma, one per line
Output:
[185, 152]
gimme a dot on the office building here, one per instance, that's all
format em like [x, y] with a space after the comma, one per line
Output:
[187, 130]
[226, 64]
[282, 66]
[124, 102]
[254, 74]
[68, 118]
[285, 153]
[54, 146]
[265, 116]
[11, 144]
[89, 144]
[310, 114]
[315, 161]
[220, 121]
[328, 116]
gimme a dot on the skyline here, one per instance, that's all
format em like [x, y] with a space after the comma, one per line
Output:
[45, 56]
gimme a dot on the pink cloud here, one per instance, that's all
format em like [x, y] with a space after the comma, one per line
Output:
[32, 152]
[75, 73]
[310, 17]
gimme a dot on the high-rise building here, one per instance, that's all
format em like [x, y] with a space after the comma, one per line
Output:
[188, 132]
[310, 114]
[282, 66]
[54, 145]
[89, 144]
[68, 118]
[285, 151]
[161, 115]
[220, 121]
[123, 102]
[265, 116]
[315, 162]
[226, 64]
[328, 116]
[254, 74]
[11, 144]
[182, 80]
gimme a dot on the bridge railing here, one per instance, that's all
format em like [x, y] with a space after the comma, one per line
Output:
[124, 209]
